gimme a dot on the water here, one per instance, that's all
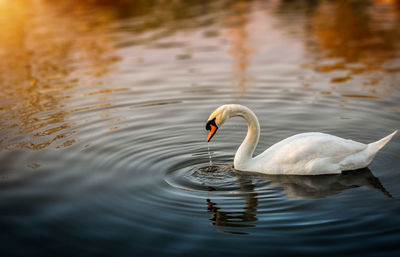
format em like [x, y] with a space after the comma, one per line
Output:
[102, 140]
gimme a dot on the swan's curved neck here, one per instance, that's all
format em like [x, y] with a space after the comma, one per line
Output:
[245, 152]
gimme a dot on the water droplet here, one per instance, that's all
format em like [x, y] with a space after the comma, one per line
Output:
[209, 154]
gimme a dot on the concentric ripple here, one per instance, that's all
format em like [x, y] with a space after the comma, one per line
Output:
[218, 177]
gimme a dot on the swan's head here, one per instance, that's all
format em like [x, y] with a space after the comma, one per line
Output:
[216, 119]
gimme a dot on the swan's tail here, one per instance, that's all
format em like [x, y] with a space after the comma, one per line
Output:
[381, 143]
[374, 147]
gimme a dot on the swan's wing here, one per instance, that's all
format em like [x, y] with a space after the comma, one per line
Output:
[314, 145]
[310, 151]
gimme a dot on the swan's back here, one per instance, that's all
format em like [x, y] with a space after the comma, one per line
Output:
[314, 153]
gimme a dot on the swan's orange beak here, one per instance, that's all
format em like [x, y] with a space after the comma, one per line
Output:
[211, 133]
[212, 128]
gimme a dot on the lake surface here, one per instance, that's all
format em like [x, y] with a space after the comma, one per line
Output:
[103, 108]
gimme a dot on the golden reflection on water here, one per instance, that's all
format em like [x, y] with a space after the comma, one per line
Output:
[240, 49]
[360, 37]
[53, 52]
[40, 46]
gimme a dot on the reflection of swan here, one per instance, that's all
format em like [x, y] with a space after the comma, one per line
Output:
[294, 187]
[314, 187]
[237, 219]
[303, 154]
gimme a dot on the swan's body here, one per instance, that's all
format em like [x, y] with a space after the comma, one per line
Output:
[303, 154]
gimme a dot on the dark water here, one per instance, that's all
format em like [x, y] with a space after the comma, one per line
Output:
[102, 140]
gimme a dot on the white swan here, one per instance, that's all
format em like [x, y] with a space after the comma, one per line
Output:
[311, 153]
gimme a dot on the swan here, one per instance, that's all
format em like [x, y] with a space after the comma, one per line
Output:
[311, 153]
